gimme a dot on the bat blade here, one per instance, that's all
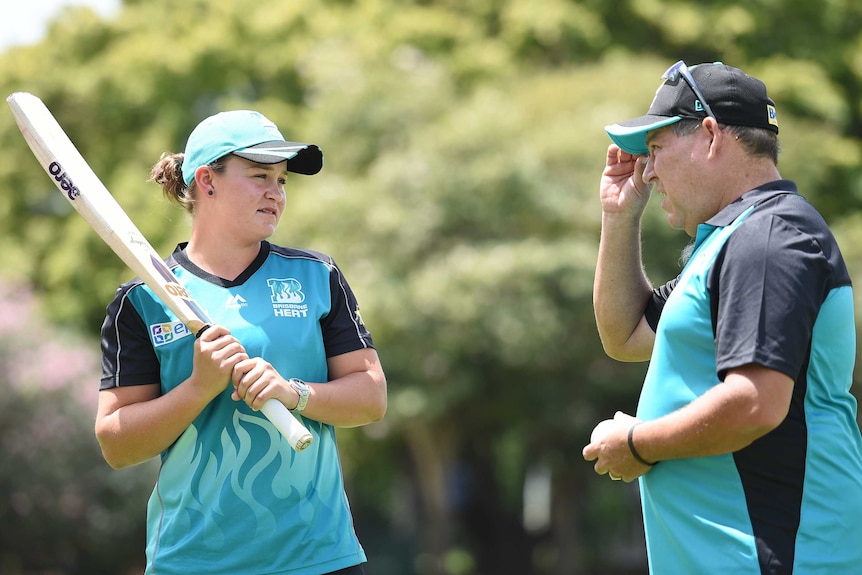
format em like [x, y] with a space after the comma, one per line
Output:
[91, 199]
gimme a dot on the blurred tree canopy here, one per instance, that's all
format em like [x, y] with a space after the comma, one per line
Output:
[463, 143]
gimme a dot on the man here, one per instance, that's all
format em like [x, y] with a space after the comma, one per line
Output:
[745, 443]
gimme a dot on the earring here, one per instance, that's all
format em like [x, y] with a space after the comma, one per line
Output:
[211, 192]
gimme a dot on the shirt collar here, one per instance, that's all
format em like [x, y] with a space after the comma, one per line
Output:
[732, 211]
[757, 195]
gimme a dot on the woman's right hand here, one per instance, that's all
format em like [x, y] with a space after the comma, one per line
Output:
[216, 354]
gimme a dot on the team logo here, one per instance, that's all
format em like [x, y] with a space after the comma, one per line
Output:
[287, 297]
[286, 291]
[165, 333]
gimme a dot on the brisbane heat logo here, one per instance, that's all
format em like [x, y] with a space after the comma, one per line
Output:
[287, 297]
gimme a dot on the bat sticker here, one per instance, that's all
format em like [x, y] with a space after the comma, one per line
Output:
[64, 181]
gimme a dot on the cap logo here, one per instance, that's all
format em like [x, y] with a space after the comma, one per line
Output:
[268, 125]
[771, 116]
[698, 107]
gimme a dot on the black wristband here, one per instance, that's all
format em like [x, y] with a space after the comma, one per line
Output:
[635, 454]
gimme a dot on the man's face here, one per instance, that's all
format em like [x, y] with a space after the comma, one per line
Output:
[674, 169]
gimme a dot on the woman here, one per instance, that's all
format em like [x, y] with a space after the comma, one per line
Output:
[231, 496]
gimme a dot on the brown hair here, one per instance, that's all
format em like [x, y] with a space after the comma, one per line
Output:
[755, 141]
[168, 173]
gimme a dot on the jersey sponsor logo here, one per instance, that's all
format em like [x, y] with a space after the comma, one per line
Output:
[235, 302]
[287, 297]
[165, 333]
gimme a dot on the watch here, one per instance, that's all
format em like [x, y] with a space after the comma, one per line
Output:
[303, 390]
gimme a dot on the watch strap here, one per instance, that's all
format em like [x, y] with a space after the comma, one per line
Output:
[303, 390]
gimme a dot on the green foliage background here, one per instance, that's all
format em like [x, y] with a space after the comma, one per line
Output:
[463, 143]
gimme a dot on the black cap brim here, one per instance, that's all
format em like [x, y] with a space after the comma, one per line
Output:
[305, 159]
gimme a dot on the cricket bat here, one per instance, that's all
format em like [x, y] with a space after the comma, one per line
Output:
[90, 198]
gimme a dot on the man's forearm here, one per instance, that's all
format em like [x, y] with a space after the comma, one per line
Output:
[751, 402]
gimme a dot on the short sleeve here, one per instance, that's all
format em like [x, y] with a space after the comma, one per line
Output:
[128, 357]
[343, 328]
[655, 305]
[766, 287]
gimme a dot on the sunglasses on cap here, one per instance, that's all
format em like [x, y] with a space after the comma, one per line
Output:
[681, 70]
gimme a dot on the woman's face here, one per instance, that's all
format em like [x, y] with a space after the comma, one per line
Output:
[250, 197]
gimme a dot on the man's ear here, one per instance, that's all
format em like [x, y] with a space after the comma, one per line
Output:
[716, 135]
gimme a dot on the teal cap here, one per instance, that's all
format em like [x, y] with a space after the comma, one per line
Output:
[249, 135]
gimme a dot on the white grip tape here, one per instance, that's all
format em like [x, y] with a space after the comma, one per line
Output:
[289, 426]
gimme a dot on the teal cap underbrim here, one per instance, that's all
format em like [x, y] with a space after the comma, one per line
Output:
[631, 135]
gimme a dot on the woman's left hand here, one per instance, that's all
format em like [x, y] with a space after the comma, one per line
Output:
[255, 381]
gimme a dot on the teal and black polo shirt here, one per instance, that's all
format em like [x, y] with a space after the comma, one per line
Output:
[766, 284]
[232, 497]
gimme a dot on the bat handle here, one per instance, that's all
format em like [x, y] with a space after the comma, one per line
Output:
[290, 427]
